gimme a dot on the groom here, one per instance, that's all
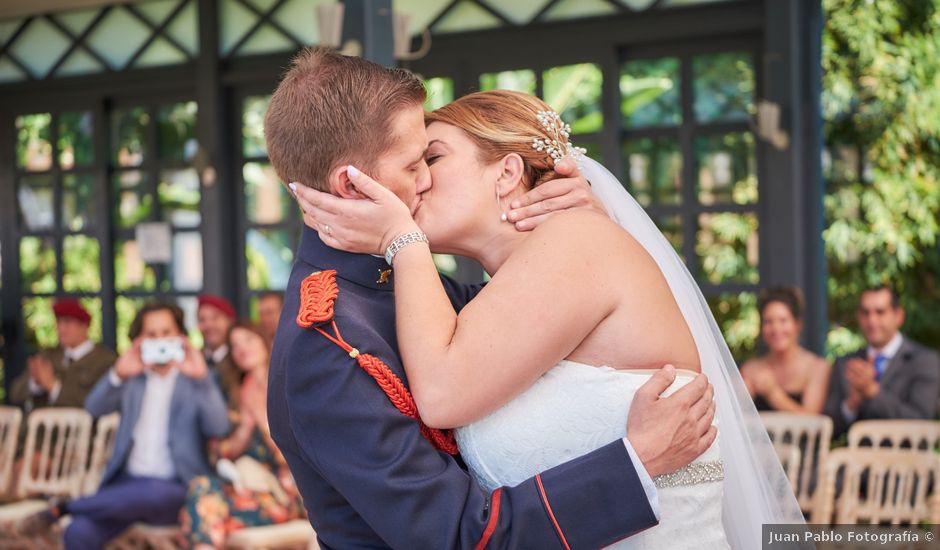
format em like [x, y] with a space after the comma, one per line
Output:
[368, 475]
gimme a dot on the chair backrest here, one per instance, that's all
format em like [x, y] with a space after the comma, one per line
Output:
[56, 450]
[10, 419]
[910, 435]
[789, 455]
[878, 486]
[811, 434]
[106, 430]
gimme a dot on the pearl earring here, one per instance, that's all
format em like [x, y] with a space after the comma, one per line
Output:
[499, 204]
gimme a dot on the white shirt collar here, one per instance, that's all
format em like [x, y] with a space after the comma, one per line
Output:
[890, 349]
[79, 351]
[218, 355]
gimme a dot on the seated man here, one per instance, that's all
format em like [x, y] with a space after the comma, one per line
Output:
[893, 377]
[63, 376]
[270, 304]
[215, 317]
[158, 394]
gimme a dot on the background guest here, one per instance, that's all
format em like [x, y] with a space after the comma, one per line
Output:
[63, 376]
[215, 317]
[892, 377]
[269, 312]
[788, 377]
[146, 477]
[216, 507]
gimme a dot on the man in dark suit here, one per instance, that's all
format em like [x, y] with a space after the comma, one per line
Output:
[893, 377]
[368, 471]
[63, 376]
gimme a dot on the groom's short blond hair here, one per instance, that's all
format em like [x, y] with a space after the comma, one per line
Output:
[331, 109]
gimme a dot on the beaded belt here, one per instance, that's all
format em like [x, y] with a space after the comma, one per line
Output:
[695, 473]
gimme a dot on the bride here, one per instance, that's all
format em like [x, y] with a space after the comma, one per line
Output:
[534, 371]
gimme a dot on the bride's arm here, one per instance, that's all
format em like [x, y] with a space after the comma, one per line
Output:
[538, 308]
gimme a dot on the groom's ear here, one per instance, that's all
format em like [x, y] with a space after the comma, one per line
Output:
[511, 172]
[341, 185]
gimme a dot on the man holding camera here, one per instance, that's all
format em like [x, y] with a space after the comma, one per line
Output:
[161, 386]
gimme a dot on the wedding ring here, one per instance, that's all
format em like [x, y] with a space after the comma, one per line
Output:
[327, 230]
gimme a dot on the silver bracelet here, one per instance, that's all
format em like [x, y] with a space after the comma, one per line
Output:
[401, 242]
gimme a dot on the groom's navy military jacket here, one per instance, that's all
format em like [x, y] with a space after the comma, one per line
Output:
[368, 477]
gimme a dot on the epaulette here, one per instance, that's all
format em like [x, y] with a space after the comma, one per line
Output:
[318, 293]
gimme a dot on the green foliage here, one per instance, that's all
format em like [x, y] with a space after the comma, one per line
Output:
[881, 109]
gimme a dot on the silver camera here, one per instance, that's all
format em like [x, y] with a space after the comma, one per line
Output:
[160, 351]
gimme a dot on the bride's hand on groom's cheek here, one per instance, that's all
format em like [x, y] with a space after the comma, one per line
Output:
[564, 193]
[364, 226]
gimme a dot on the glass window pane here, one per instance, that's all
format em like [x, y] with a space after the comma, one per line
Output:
[35, 196]
[33, 144]
[93, 305]
[176, 131]
[653, 169]
[80, 267]
[130, 271]
[190, 307]
[269, 254]
[650, 92]
[76, 146]
[739, 320]
[520, 81]
[726, 171]
[574, 91]
[37, 265]
[186, 267]
[126, 309]
[129, 138]
[134, 201]
[671, 226]
[78, 201]
[727, 247]
[253, 144]
[266, 199]
[178, 192]
[440, 93]
[724, 86]
[40, 323]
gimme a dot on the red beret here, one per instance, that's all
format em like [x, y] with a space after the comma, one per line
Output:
[218, 303]
[67, 307]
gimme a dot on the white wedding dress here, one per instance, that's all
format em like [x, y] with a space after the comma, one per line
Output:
[573, 409]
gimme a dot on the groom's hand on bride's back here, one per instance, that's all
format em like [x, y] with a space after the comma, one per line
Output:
[667, 433]
[564, 193]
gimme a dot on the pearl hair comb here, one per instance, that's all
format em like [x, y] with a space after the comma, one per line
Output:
[557, 144]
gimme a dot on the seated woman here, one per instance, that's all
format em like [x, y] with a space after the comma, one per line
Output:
[788, 377]
[215, 506]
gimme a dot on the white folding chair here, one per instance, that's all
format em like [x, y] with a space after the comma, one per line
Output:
[10, 420]
[811, 434]
[102, 447]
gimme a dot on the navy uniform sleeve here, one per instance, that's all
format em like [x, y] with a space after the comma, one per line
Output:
[460, 293]
[416, 497]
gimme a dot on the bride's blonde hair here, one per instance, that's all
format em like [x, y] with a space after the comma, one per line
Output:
[501, 122]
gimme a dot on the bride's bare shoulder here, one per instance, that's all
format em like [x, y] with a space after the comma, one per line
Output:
[585, 230]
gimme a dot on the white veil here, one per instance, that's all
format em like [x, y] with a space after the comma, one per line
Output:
[756, 490]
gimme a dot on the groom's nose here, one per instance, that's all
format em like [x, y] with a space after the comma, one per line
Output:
[423, 182]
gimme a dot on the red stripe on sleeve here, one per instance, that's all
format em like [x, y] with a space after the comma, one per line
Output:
[538, 481]
[494, 517]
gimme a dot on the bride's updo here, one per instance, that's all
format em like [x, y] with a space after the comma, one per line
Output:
[501, 122]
